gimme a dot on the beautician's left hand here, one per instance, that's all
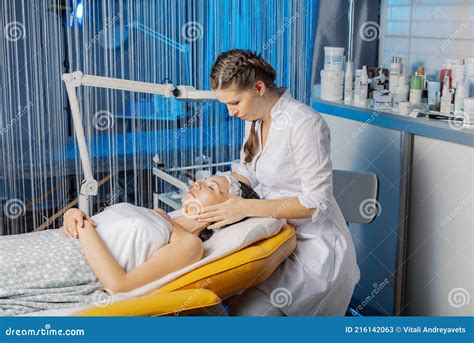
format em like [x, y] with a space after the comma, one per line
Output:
[223, 214]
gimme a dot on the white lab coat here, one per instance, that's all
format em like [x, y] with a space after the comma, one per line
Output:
[321, 274]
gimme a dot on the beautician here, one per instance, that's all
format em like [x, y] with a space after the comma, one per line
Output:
[286, 159]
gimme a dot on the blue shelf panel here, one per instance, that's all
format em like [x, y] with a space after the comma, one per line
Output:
[418, 126]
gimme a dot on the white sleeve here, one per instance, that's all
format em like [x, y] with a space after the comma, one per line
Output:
[311, 149]
[242, 168]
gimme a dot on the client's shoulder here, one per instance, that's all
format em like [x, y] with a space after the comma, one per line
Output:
[187, 241]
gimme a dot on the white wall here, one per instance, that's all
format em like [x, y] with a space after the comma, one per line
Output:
[426, 32]
[440, 267]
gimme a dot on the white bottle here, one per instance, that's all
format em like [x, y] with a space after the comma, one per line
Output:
[400, 95]
[462, 92]
[348, 84]
[446, 97]
[395, 72]
[402, 80]
[357, 87]
[364, 87]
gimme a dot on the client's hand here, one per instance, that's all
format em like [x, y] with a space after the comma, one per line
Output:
[73, 220]
[225, 213]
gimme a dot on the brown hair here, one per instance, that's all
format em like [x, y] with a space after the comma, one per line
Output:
[247, 193]
[243, 67]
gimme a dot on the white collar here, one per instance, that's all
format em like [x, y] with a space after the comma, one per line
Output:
[281, 104]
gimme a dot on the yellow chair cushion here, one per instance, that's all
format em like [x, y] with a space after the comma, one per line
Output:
[202, 287]
[174, 303]
[240, 270]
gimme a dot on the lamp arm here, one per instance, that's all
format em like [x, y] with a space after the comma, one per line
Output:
[73, 80]
[89, 184]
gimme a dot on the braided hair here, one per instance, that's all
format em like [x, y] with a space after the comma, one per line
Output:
[242, 68]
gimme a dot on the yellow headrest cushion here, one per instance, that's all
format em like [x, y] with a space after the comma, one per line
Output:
[204, 286]
[240, 270]
[154, 304]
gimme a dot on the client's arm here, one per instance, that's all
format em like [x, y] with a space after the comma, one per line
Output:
[173, 256]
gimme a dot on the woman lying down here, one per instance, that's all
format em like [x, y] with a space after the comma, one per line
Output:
[121, 248]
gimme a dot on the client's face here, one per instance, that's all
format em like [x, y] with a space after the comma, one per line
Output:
[211, 191]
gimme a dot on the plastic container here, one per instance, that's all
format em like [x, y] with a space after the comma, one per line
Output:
[452, 61]
[471, 87]
[470, 67]
[415, 90]
[415, 97]
[469, 110]
[469, 106]
[358, 72]
[404, 107]
[470, 75]
[442, 76]
[416, 82]
[382, 100]
[446, 101]
[348, 84]
[331, 85]
[402, 80]
[395, 71]
[458, 73]
[333, 58]
[462, 92]
[400, 94]
[434, 93]
[364, 88]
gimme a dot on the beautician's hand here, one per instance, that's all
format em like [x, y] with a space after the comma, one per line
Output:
[73, 220]
[223, 214]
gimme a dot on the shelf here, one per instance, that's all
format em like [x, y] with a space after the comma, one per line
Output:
[436, 129]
